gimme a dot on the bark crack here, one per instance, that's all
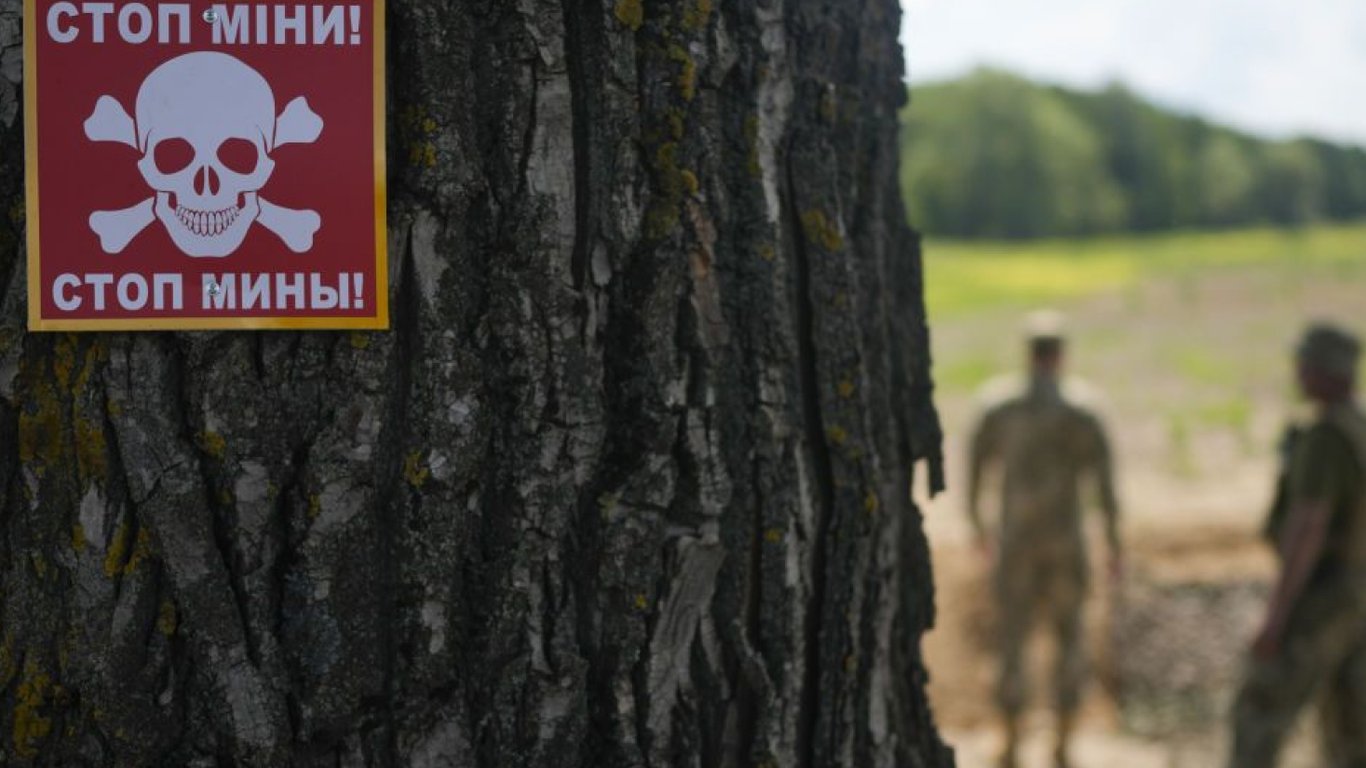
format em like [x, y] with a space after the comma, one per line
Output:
[406, 356]
[221, 524]
[823, 472]
[577, 50]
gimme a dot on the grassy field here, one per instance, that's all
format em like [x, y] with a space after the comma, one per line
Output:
[1187, 333]
[1275, 271]
[970, 276]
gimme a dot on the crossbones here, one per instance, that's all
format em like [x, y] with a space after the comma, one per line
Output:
[205, 125]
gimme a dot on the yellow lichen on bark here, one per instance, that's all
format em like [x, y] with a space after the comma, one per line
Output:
[821, 230]
[30, 726]
[212, 443]
[630, 13]
[119, 548]
[696, 14]
[687, 76]
[167, 619]
[415, 471]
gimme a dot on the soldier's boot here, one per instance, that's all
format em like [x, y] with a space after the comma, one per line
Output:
[1009, 751]
[1061, 758]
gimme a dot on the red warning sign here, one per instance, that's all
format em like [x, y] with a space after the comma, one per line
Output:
[205, 165]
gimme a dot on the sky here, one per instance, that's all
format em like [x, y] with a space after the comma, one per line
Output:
[1273, 67]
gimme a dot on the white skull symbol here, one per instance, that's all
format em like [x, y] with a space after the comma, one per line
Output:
[206, 125]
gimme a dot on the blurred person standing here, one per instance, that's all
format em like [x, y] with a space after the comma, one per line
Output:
[1046, 442]
[1312, 644]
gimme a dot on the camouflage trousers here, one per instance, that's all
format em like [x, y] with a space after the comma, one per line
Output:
[1050, 589]
[1322, 660]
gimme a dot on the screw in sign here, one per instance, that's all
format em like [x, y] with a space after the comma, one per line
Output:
[205, 165]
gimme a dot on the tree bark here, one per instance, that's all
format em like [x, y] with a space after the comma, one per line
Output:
[626, 484]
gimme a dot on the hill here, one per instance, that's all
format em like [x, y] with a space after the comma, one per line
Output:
[995, 155]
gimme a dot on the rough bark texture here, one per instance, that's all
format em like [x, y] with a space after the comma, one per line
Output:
[625, 485]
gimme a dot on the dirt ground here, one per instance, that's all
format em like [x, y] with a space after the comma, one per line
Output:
[1197, 392]
[1165, 650]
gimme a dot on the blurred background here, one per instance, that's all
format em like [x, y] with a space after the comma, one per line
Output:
[1186, 181]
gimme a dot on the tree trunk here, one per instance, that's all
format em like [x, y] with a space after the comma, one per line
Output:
[626, 484]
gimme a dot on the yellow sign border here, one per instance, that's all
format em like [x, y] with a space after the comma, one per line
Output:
[378, 321]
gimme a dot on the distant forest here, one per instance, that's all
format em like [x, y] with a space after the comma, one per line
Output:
[995, 156]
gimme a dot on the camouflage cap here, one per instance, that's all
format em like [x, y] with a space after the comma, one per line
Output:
[1044, 325]
[1330, 349]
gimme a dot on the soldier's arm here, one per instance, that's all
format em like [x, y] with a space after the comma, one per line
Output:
[1105, 482]
[1274, 526]
[982, 450]
[1306, 533]
[1315, 483]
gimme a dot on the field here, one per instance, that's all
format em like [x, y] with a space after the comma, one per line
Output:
[1188, 337]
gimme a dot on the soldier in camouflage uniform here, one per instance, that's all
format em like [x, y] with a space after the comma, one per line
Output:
[1313, 641]
[1046, 443]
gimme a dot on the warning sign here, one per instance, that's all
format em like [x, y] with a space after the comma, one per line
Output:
[205, 165]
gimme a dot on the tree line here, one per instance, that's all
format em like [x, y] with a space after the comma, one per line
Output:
[994, 155]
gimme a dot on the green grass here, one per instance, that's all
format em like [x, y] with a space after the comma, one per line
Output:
[1187, 339]
[1233, 414]
[1198, 366]
[965, 276]
[967, 374]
